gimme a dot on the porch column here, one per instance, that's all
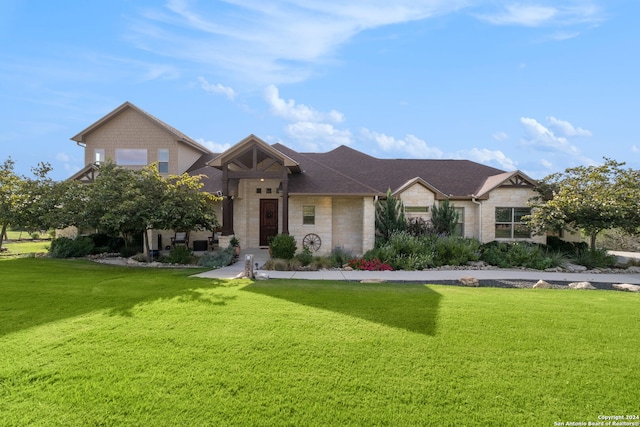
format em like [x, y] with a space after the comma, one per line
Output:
[227, 206]
[285, 203]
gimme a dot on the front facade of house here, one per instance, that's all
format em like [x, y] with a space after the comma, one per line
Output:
[325, 200]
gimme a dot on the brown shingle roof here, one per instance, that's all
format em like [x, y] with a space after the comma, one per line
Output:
[345, 171]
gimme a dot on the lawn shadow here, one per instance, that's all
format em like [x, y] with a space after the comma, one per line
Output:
[34, 292]
[413, 307]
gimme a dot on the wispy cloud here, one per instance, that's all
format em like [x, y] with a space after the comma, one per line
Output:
[557, 13]
[489, 157]
[565, 128]
[270, 42]
[216, 147]
[410, 145]
[290, 110]
[217, 89]
[318, 136]
[542, 138]
[500, 136]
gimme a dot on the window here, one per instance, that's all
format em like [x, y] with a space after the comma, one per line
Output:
[98, 156]
[416, 209]
[131, 157]
[308, 215]
[459, 230]
[163, 160]
[509, 223]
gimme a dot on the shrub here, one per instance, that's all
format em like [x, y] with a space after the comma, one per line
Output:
[277, 264]
[595, 258]
[180, 255]
[64, 247]
[305, 257]
[339, 256]
[107, 243]
[453, 250]
[521, 254]
[34, 235]
[283, 246]
[216, 259]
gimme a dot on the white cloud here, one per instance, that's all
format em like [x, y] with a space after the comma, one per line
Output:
[547, 164]
[565, 128]
[486, 156]
[270, 42]
[562, 13]
[289, 110]
[318, 136]
[214, 146]
[522, 14]
[541, 138]
[635, 149]
[500, 136]
[217, 89]
[411, 145]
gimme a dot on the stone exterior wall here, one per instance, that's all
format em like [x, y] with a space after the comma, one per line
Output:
[323, 222]
[504, 198]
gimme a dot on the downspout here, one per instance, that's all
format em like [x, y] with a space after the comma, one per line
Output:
[473, 199]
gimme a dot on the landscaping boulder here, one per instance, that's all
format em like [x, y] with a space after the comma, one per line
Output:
[262, 276]
[627, 287]
[581, 285]
[469, 281]
[575, 268]
[373, 281]
[634, 269]
[541, 284]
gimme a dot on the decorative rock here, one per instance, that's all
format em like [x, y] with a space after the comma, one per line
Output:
[575, 267]
[581, 285]
[634, 269]
[469, 281]
[541, 284]
[627, 287]
[262, 276]
[373, 281]
[476, 264]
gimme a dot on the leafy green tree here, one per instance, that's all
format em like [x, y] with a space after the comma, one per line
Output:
[130, 202]
[10, 196]
[588, 198]
[26, 202]
[390, 217]
[444, 218]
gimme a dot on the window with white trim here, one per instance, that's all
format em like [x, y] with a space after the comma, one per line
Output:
[308, 215]
[98, 156]
[163, 160]
[459, 228]
[131, 156]
[509, 224]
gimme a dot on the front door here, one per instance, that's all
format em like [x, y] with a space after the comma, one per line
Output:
[268, 220]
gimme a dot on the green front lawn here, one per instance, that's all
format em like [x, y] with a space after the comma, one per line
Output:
[84, 344]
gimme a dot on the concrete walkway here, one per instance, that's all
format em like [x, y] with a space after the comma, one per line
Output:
[261, 256]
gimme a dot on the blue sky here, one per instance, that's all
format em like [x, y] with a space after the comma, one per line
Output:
[534, 85]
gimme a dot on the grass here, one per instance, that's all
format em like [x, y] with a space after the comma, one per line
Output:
[20, 243]
[86, 344]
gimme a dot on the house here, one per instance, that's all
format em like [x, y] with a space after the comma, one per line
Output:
[325, 200]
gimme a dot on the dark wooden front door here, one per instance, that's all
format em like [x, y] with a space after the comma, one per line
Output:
[268, 220]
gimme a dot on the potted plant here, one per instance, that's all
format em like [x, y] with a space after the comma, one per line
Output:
[235, 244]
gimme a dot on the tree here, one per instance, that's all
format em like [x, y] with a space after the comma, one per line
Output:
[390, 216]
[130, 202]
[26, 202]
[591, 199]
[10, 196]
[444, 218]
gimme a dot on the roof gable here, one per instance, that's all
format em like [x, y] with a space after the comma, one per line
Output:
[179, 136]
[242, 153]
[507, 179]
